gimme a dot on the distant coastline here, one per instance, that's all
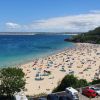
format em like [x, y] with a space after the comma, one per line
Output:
[33, 33]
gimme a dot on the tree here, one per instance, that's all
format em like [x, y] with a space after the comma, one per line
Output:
[82, 83]
[68, 81]
[92, 36]
[12, 80]
[96, 81]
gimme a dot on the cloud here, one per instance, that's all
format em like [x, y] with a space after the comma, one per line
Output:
[74, 23]
[11, 25]
[95, 11]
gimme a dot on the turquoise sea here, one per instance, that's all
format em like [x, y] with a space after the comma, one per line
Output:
[16, 49]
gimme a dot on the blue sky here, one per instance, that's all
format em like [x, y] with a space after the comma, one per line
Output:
[49, 15]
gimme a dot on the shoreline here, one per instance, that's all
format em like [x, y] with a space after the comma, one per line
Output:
[42, 56]
[46, 55]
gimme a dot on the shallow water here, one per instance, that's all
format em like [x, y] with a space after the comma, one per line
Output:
[16, 49]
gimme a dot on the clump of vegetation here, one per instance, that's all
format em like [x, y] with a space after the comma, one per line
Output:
[12, 80]
[95, 82]
[70, 81]
[92, 36]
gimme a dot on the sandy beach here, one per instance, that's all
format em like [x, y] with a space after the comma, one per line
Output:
[42, 75]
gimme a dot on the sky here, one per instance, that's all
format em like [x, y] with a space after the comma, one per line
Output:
[49, 15]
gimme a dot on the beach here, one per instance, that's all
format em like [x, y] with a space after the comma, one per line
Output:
[44, 74]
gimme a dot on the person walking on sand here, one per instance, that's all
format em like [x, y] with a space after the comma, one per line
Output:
[39, 86]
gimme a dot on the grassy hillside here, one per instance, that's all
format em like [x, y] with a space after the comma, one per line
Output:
[92, 36]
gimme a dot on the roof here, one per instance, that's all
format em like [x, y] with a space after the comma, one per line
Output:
[20, 96]
[72, 90]
[90, 90]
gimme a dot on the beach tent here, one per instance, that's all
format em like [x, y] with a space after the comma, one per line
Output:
[51, 76]
[62, 69]
[39, 77]
[45, 74]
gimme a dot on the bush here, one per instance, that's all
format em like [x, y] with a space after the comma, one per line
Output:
[12, 80]
[82, 83]
[95, 82]
[70, 81]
